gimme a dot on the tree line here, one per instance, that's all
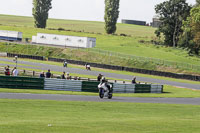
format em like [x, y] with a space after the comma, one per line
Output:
[41, 8]
[180, 22]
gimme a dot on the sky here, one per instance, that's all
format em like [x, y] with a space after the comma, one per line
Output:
[92, 10]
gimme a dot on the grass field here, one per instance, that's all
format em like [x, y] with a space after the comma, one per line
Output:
[74, 25]
[22, 116]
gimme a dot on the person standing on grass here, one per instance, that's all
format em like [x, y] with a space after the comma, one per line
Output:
[68, 76]
[99, 77]
[48, 74]
[63, 76]
[7, 71]
[134, 80]
[15, 72]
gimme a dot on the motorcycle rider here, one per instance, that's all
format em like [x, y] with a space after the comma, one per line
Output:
[103, 80]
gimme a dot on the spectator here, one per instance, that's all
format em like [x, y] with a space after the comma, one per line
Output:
[75, 78]
[7, 71]
[99, 77]
[63, 76]
[15, 72]
[134, 80]
[48, 74]
[68, 76]
[42, 75]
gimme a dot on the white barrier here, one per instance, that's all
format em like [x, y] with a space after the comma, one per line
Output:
[62, 84]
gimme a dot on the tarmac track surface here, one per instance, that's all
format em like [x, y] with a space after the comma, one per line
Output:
[44, 67]
[57, 97]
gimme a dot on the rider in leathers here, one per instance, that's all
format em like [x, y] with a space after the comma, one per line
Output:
[106, 83]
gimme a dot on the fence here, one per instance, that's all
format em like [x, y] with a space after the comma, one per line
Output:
[21, 82]
[26, 56]
[73, 85]
[146, 59]
[61, 84]
[91, 86]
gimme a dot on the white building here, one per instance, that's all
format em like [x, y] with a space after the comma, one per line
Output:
[10, 35]
[63, 40]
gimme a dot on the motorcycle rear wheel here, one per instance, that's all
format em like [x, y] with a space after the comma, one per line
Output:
[109, 96]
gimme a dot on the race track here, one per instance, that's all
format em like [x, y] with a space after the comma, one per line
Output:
[44, 67]
[57, 97]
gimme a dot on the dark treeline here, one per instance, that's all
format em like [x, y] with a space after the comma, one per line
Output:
[180, 24]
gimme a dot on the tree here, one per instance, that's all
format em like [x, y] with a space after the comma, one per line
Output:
[191, 35]
[111, 15]
[197, 2]
[172, 13]
[40, 12]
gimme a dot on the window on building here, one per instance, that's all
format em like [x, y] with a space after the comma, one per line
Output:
[68, 39]
[43, 37]
[55, 38]
[80, 40]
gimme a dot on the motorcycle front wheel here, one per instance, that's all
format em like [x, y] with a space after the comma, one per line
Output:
[101, 93]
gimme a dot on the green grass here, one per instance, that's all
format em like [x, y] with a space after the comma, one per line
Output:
[169, 92]
[74, 25]
[125, 45]
[22, 116]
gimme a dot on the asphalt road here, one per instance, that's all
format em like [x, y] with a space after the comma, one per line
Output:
[44, 67]
[57, 97]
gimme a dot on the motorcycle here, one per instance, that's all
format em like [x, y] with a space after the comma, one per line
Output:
[105, 90]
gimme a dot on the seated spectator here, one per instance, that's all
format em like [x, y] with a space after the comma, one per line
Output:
[42, 75]
[63, 76]
[48, 74]
[15, 72]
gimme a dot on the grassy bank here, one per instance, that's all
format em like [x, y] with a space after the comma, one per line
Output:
[87, 56]
[22, 116]
[137, 43]
[79, 26]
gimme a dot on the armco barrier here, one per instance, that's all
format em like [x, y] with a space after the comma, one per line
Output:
[137, 88]
[25, 56]
[61, 84]
[91, 86]
[21, 82]
[73, 85]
